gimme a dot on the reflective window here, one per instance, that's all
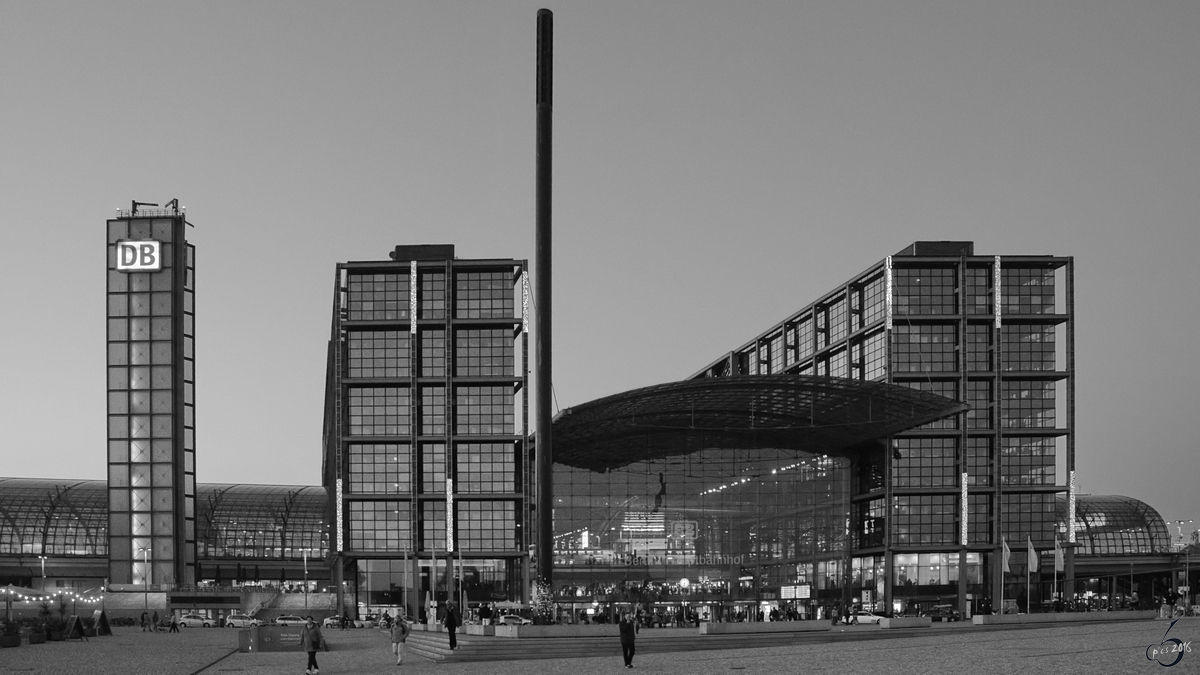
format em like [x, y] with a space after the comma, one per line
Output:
[1027, 404]
[380, 526]
[979, 397]
[925, 462]
[1027, 291]
[486, 525]
[486, 467]
[433, 353]
[924, 348]
[483, 410]
[483, 295]
[486, 352]
[979, 462]
[433, 295]
[925, 519]
[1027, 347]
[1027, 461]
[979, 290]
[378, 297]
[379, 411]
[924, 290]
[1028, 515]
[379, 468]
[378, 353]
[979, 348]
[979, 519]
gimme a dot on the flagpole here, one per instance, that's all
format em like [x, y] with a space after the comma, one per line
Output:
[1004, 569]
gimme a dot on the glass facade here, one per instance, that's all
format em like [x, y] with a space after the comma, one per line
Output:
[992, 331]
[425, 423]
[718, 528]
[151, 418]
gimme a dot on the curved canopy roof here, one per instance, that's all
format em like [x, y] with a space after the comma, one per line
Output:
[819, 415]
[1114, 525]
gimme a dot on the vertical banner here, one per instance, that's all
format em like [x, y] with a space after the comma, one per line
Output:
[963, 510]
[338, 517]
[450, 515]
[1071, 511]
[412, 298]
[525, 302]
[887, 293]
[996, 287]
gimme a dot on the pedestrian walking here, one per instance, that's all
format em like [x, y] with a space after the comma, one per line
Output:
[399, 636]
[154, 626]
[628, 633]
[310, 641]
[452, 621]
[174, 624]
[143, 622]
[345, 620]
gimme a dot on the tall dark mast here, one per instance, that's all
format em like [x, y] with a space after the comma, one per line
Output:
[544, 447]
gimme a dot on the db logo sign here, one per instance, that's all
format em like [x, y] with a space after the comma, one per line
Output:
[139, 256]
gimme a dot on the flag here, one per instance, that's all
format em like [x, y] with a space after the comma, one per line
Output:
[1059, 565]
[1007, 553]
[1034, 564]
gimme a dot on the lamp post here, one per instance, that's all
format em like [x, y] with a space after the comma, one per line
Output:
[146, 576]
[305, 581]
[1187, 555]
[43, 559]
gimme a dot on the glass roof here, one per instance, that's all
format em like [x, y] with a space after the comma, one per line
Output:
[1114, 525]
[63, 518]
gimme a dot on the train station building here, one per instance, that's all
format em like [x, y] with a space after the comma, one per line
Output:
[880, 447]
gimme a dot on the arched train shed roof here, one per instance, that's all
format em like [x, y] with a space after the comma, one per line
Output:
[820, 415]
[1114, 525]
[70, 517]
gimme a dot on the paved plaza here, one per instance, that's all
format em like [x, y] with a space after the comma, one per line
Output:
[954, 648]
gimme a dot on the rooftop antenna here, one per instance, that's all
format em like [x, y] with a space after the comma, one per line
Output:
[133, 209]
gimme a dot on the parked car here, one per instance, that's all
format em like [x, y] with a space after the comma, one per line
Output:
[942, 613]
[195, 620]
[865, 617]
[336, 622]
[514, 620]
[289, 620]
[240, 621]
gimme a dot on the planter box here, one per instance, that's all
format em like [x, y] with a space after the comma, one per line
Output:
[1062, 617]
[906, 622]
[10, 640]
[559, 631]
[735, 628]
[473, 629]
[37, 638]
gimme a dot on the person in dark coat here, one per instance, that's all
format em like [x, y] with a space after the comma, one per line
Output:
[310, 641]
[452, 621]
[628, 633]
[143, 622]
[154, 625]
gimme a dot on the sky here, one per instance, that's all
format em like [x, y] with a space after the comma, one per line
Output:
[717, 166]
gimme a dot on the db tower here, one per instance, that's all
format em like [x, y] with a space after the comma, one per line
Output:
[151, 393]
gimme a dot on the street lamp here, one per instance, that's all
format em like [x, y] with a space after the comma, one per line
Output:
[1187, 560]
[43, 559]
[145, 576]
[306, 581]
